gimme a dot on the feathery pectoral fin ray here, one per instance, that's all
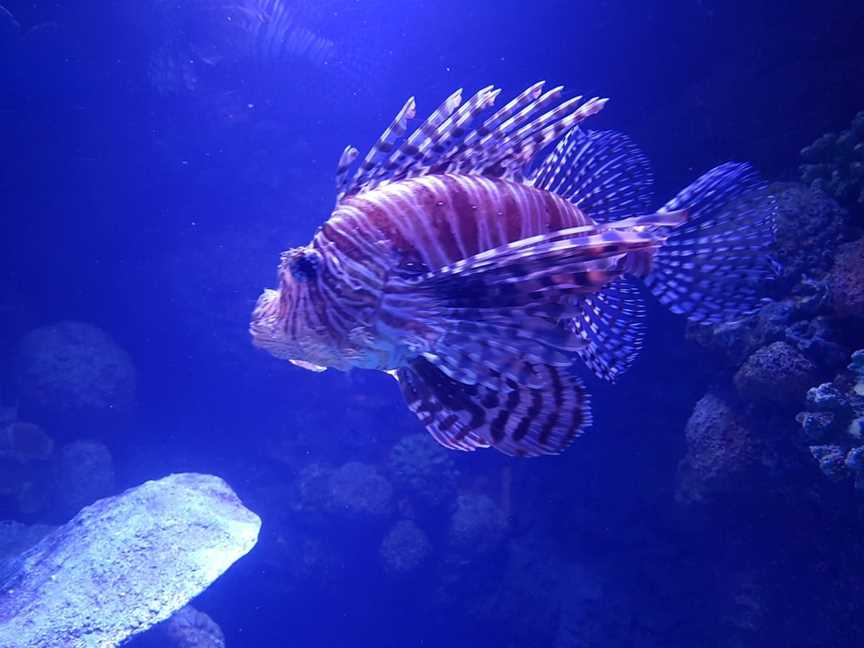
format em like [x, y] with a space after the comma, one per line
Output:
[476, 316]
[611, 325]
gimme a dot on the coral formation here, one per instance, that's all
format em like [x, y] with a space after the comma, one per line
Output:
[359, 490]
[191, 628]
[85, 473]
[847, 280]
[477, 526]
[425, 470]
[809, 226]
[723, 452]
[834, 163]
[26, 456]
[404, 549]
[71, 370]
[802, 337]
[187, 628]
[833, 424]
[777, 373]
[310, 490]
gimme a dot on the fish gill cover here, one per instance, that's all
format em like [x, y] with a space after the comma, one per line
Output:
[156, 159]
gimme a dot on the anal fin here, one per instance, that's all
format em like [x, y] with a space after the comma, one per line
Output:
[517, 420]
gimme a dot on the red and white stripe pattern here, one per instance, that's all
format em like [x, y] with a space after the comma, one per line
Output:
[479, 283]
[405, 274]
[441, 219]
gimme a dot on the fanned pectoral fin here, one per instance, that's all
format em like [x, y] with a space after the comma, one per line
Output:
[516, 420]
[487, 317]
[611, 325]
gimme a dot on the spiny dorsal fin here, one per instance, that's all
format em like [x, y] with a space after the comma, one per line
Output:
[345, 161]
[534, 137]
[453, 127]
[410, 148]
[483, 147]
[445, 143]
[385, 144]
[526, 97]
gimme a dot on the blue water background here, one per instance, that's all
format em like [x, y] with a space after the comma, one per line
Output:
[159, 217]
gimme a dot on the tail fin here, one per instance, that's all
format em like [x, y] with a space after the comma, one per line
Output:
[713, 267]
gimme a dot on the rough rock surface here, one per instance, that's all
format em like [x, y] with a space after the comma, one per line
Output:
[777, 373]
[722, 451]
[809, 227]
[847, 280]
[188, 628]
[835, 163]
[124, 563]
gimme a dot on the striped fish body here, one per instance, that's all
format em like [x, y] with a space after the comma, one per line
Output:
[438, 220]
[483, 282]
[415, 225]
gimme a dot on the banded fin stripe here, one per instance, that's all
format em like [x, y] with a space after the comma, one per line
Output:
[516, 420]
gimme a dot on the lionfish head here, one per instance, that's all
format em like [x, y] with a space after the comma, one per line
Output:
[284, 322]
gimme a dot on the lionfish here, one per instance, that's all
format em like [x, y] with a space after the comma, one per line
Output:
[481, 276]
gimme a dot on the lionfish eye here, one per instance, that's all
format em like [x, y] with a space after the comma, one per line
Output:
[304, 265]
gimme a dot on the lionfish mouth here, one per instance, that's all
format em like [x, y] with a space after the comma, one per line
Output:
[264, 325]
[266, 331]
